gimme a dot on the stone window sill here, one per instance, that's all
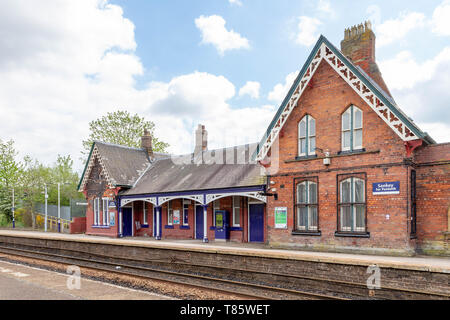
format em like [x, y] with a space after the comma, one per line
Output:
[352, 234]
[306, 233]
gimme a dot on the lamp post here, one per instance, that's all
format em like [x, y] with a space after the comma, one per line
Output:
[13, 216]
[46, 197]
[59, 209]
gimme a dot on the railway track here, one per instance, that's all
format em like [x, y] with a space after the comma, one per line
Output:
[229, 287]
[249, 283]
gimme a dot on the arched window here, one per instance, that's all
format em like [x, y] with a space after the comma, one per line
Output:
[306, 198]
[352, 205]
[307, 136]
[352, 125]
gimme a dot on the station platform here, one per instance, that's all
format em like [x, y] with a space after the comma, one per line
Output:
[419, 263]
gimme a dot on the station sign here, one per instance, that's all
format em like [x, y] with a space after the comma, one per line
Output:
[380, 188]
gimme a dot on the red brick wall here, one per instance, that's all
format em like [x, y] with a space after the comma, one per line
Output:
[78, 225]
[382, 162]
[433, 198]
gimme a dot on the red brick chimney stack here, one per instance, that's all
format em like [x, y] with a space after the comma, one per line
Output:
[359, 46]
[201, 139]
[146, 143]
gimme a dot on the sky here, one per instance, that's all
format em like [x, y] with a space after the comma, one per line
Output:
[226, 64]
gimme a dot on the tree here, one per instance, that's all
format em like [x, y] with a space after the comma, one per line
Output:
[121, 128]
[10, 171]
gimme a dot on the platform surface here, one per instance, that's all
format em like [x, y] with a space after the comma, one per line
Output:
[420, 263]
[19, 282]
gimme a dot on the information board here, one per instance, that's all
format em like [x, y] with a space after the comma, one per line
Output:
[280, 218]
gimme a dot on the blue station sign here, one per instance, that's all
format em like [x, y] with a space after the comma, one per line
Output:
[379, 188]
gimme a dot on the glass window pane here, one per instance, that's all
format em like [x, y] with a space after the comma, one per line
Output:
[301, 193]
[346, 120]
[313, 217]
[312, 126]
[302, 130]
[360, 221]
[359, 190]
[358, 119]
[345, 191]
[357, 139]
[346, 224]
[312, 192]
[312, 145]
[303, 145]
[236, 217]
[301, 217]
[346, 139]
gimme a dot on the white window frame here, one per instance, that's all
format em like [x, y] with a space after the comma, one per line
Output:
[238, 205]
[105, 211]
[169, 214]
[352, 110]
[96, 211]
[145, 213]
[353, 205]
[185, 203]
[307, 119]
[309, 206]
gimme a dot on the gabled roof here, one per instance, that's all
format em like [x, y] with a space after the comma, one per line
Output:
[121, 165]
[213, 169]
[358, 80]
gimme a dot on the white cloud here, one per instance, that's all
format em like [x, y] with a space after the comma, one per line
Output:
[57, 75]
[280, 90]
[236, 2]
[307, 31]
[325, 7]
[421, 90]
[251, 88]
[214, 32]
[441, 19]
[395, 29]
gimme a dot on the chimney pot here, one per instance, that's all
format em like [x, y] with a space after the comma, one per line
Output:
[146, 143]
[201, 139]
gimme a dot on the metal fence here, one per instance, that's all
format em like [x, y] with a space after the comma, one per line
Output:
[76, 209]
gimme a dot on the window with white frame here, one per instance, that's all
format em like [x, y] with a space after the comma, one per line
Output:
[216, 207]
[96, 211]
[352, 205]
[186, 212]
[352, 125]
[145, 213]
[105, 212]
[307, 136]
[236, 211]
[169, 213]
[306, 198]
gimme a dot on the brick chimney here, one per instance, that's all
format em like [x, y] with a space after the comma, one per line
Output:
[146, 143]
[201, 139]
[359, 46]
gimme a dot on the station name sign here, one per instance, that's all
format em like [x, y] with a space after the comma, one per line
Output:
[380, 188]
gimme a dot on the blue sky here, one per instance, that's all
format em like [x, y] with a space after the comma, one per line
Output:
[223, 63]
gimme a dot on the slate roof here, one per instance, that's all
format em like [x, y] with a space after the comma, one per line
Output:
[214, 169]
[124, 165]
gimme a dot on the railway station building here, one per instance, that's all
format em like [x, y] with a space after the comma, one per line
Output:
[340, 168]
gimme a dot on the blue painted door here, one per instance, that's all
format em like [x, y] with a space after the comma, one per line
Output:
[127, 224]
[198, 222]
[256, 222]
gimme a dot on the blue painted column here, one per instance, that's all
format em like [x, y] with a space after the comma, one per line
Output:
[119, 218]
[158, 222]
[205, 223]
